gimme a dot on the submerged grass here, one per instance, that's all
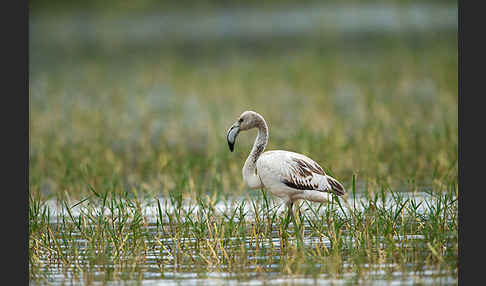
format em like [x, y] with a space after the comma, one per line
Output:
[377, 235]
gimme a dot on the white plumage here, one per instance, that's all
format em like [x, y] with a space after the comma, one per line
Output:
[288, 175]
[293, 176]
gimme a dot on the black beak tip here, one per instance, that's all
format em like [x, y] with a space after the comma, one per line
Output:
[231, 146]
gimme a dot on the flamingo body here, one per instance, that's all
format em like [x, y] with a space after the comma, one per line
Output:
[288, 175]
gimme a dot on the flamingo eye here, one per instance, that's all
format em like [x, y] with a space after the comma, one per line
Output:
[241, 120]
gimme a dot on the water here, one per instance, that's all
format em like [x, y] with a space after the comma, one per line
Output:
[150, 272]
[245, 23]
[265, 264]
[150, 208]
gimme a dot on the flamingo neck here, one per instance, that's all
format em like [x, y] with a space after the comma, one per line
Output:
[249, 169]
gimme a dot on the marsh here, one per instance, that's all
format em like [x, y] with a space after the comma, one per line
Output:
[130, 176]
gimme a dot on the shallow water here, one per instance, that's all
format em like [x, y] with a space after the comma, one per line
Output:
[150, 273]
[246, 23]
[266, 267]
[150, 209]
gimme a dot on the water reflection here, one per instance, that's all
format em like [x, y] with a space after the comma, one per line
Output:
[158, 266]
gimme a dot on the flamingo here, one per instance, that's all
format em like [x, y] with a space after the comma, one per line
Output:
[288, 175]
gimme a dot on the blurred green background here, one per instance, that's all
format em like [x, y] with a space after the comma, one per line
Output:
[138, 95]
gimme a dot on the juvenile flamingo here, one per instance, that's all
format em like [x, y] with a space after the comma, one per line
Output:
[287, 175]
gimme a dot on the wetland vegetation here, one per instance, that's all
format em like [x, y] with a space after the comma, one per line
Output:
[130, 177]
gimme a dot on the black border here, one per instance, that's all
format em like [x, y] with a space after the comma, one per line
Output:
[15, 149]
[471, 65]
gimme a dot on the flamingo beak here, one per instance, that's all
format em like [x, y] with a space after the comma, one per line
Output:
[231, 136]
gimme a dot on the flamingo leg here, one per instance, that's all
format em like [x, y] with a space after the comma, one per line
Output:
[290, 213]
[297, 227]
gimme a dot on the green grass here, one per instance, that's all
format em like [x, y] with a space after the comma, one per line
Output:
[113, 235]
[114, 132]
[159, 126]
